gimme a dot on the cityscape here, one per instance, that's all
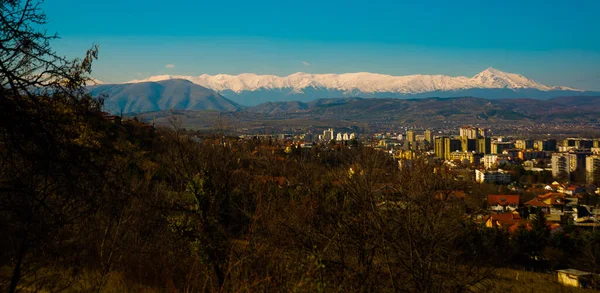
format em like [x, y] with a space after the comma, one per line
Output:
[299, 146]
[569, 160]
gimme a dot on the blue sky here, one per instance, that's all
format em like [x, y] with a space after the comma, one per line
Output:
[553, 42]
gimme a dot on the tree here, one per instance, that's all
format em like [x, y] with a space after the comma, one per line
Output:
[427, 240]
[28, 65]
[531, 239]
[48, 140]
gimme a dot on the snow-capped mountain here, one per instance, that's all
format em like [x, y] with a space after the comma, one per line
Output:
[362, 81]
[252, 89]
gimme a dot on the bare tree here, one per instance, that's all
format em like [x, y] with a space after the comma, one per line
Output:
[46, 139]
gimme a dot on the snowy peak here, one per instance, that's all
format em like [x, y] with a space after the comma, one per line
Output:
[493, 78]
[361, 82]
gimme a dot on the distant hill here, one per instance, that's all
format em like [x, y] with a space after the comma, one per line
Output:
[589, 103]
[382, 113]
[583, 108]
[252, 89]
[161, 95]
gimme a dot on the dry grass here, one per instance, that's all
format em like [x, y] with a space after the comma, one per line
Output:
[516, 281]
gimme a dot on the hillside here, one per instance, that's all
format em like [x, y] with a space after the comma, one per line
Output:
[162, 95]
[418, 110]
[373, 114]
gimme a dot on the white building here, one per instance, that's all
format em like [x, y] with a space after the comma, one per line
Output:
[498, 177]
[561, 164]
[495, 160]
[328, 135]
[470, 132]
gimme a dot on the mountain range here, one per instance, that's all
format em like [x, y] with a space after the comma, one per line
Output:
[250, 89]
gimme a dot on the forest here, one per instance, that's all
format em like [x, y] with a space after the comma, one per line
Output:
[94, 202]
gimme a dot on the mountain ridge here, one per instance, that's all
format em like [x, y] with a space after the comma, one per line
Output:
[251, 89]
[362, 81]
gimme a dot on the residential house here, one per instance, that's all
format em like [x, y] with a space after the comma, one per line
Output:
[574, 278]
[553, 227]
[503, 203]
[554, 187]
[573, 189]
[503, 221]
[549, 203]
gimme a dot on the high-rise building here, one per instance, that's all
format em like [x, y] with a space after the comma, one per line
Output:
[484, 145]
[546, 145]
[577, 162]
[561, 165]
[451, 145]
[438, 146]
[410, 136]
[497, 147]
[592, 168]
[467, 144]
[470, 132]
[524, 144]
[481, 132]
[429, 136]
[578, 143]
